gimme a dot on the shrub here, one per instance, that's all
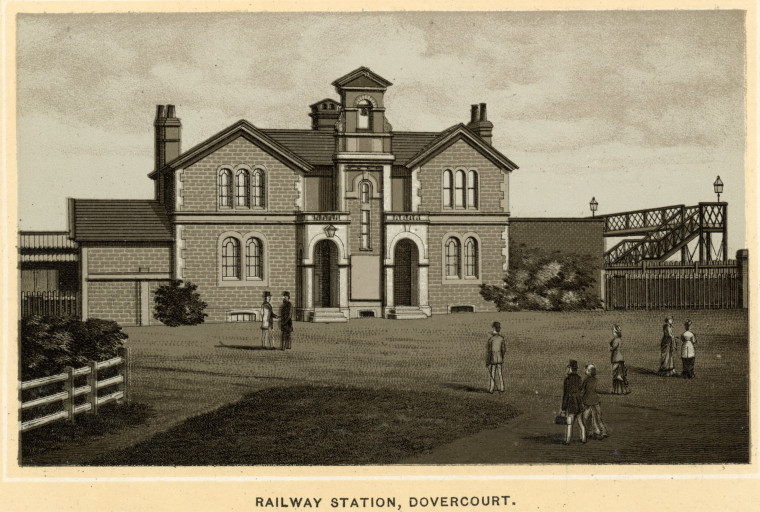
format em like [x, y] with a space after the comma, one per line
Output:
[543, 281]
[49, 344]
[179, 305]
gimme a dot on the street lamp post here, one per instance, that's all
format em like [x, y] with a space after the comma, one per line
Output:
[718, 187]
[593, 205]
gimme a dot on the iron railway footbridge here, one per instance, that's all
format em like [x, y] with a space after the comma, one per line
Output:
[659, 234]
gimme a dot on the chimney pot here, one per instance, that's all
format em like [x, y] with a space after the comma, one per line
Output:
[170, 111]
[474, 114]
[483, 112]
[159, 111]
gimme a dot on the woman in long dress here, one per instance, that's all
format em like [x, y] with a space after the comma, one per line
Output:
[667, 349]
[687, 351]
[619, 371]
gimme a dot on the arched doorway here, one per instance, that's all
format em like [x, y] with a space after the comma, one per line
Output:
[406, 274]
[326, 278]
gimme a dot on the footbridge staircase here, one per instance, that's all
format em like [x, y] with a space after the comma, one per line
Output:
[659, 234]
[668, 260]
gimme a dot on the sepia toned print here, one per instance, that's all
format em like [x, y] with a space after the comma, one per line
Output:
[540, 183]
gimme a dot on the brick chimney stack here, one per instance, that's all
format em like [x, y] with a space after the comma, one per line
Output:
[473, 114]
[167, 148]
[479, 122]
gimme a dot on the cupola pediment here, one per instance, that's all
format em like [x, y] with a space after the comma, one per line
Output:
[362, 77]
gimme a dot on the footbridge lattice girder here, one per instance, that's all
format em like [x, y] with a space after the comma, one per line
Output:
[665, 231]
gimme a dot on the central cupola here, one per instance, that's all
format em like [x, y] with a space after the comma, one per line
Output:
[363, 132]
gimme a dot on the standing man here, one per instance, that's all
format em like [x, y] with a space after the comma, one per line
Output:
[286, 321]
[572, 402]
[267, 321]
[496, 347]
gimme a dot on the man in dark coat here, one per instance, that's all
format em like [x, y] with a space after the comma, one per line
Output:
[496, 347]
[572, 401]
[286, 321]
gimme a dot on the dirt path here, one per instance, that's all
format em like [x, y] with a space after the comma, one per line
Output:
[639, 433]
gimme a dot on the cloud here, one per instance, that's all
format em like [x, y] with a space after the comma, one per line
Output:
[603, 97]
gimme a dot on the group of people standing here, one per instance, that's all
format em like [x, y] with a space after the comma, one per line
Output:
[580, 401]
[669, 346]
[267, 322]
[581, 404]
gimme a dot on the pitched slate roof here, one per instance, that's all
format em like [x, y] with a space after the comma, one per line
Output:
[315, 146]
[309, 148]
[240, 129]
[407, 144]
[451, 135]
[118, 220]
[318, 147]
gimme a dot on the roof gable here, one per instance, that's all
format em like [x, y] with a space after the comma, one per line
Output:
[362, 77]
[456, 133]
[240, 129]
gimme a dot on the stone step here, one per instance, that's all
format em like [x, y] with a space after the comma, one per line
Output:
[407, 313]
[328, 315]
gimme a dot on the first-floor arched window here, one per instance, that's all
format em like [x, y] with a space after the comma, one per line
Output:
[230, 258]
[472, 189]
[258, 188]
[453, 268]
[254, 260]
[448, 191]
[459, 190]
[225, 187]
[366, 191]
[471, 258]
[242, 198]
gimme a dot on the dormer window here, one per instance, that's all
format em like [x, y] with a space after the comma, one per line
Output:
[364, 117]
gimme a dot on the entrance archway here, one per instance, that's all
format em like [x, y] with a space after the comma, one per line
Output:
[406, 274]
[326, 278]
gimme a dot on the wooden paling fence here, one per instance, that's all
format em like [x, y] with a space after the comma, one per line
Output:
[50, 303]
[71, 392]
[707, 288]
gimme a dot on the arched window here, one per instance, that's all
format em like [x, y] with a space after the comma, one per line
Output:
[453, 266]
[364, 116]
[459, 190]
[447, 189]
[472, 189]
[258, 188]
[471, 258]
[366, 191]
[225, 187]
[254, 258]
[242, 198]
[230, 258]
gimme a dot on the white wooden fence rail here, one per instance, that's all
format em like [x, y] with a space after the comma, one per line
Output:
[70, 391]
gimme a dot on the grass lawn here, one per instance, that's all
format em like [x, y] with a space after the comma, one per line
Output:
[308, 424]
[376, 391]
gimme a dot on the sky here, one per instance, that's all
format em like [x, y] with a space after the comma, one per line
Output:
[637, 109]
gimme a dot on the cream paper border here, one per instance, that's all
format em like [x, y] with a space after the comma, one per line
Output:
[530, 487]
